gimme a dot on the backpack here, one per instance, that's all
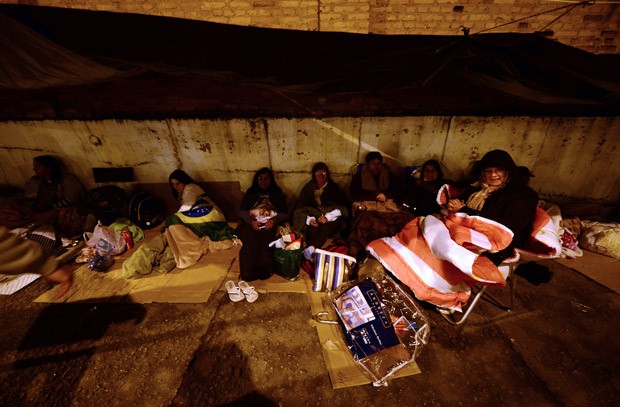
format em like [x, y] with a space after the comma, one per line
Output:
[145, 211]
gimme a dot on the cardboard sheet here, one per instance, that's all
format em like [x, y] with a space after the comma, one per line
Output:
[10, 284]
[603, 269]
[194, 284]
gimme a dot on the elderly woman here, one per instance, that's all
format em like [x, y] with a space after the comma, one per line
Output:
[500, 195]
[321, 209]
[197, 211]
[263, 208]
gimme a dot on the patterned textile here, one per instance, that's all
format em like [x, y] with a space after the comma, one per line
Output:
[438, 258]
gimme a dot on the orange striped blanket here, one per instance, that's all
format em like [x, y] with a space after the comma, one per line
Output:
[439, 257]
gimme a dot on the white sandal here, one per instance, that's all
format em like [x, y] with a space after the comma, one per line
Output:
[250, 293]
[234, 292]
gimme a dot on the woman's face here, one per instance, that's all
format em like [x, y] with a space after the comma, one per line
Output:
[41, 170]
[178, 186]
[375, 166]
[495, 176]
[429, 174]
[264, 180]
[320, 177]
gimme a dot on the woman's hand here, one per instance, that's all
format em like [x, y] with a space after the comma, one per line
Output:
[269, 225]
[322, 219]
[381, 197]
[454, 205]
[314, 223]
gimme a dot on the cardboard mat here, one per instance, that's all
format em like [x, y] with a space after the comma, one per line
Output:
[604, 270]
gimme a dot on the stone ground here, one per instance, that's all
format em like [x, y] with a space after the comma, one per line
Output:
[559, 347]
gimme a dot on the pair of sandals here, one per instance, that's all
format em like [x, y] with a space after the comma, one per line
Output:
[240, 292]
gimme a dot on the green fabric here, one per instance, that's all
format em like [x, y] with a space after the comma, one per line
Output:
[153, 256]
[121, 223]
[216, 231]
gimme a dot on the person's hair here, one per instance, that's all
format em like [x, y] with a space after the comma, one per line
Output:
[273, 186]
[373, 155]
[320, 166]
[50, 162]
[432, 163]
[501, 159]
[180, 176]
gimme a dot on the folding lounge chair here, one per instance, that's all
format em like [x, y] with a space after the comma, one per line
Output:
[543, 243]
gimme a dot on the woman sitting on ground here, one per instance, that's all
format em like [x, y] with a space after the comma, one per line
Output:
[321, 209]
[500, 195]
[263, 208]
[375, 181]
[197, 211]
[422, 196]
[57, 196]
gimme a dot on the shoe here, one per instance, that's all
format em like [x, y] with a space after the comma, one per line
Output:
[234, 292]
[250, 293]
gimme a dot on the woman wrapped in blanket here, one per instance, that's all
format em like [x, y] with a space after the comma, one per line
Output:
[263, 208]
[500, 195]
[321, 209]
[197, 211]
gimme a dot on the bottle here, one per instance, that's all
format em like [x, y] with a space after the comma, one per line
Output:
[128, 238]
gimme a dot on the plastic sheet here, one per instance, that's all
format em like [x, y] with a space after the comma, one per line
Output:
[382, 326]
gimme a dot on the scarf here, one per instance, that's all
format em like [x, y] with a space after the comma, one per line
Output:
[370, 184]
[477, 199]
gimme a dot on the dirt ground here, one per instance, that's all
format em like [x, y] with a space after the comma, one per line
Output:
[559, 347]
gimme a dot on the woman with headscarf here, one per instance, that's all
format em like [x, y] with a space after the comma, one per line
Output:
[500, 195]
[263, 208]
[321, 209]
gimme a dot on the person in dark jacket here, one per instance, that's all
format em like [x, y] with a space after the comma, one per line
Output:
[375, 181]
[422, 196]
[263, 208]
[500, 195]
[321, 210]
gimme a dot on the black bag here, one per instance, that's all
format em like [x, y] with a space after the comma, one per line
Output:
[107, 203]
[145, 211]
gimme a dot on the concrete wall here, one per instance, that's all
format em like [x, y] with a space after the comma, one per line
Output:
[571, 157]
[592, 27]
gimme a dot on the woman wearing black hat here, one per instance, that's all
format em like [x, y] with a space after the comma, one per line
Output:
[500, 195]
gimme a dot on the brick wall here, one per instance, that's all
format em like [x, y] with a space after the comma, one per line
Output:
[591, 27]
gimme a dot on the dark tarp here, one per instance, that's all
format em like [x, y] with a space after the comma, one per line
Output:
[67, 63]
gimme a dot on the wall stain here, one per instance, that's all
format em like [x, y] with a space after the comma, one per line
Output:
[94, 140]
[204, 147]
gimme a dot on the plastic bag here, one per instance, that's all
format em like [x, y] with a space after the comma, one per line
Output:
[107, 241]
[382, 326]
[100, 262]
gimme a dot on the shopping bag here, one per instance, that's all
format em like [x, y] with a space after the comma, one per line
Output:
[107, 241]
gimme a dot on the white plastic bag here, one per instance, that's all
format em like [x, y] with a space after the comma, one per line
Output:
[107, 241]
